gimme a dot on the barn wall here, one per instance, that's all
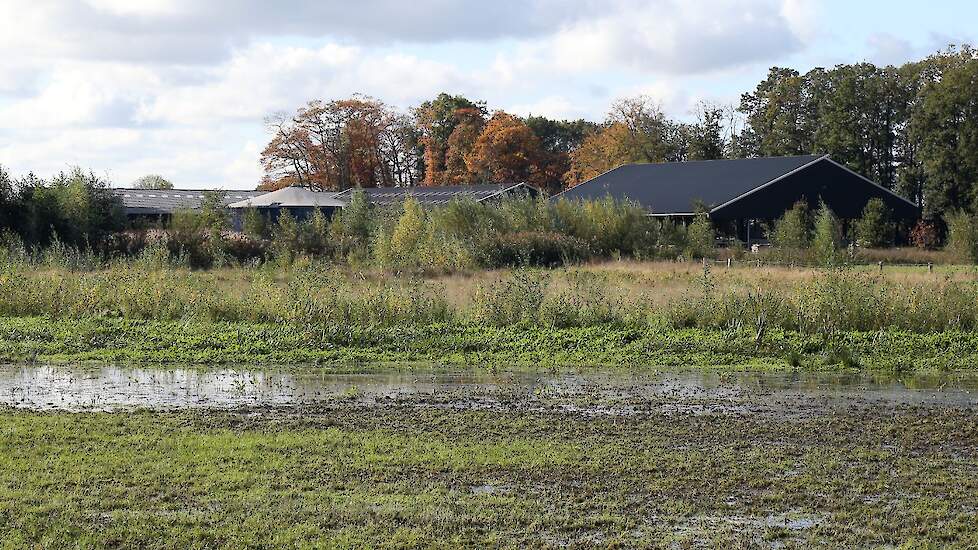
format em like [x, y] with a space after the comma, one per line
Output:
[845, 193]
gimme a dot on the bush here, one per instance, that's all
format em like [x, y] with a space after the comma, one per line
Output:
[791, 232]
[875, 228]
[925, 235]
[827, 239]
[545, 249]
[700, 238]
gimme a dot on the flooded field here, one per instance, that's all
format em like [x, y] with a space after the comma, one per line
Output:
[414, 458]
[108, 388]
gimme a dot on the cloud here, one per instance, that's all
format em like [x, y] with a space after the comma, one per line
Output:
[678, 37]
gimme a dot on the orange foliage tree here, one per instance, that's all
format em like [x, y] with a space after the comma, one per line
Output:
[507, 150]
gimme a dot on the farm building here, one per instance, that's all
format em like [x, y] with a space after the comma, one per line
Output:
[740, 192]
[298, 201]
[433, 196]
[159, 204]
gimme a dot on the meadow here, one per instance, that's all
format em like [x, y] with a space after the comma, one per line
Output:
[612, 313]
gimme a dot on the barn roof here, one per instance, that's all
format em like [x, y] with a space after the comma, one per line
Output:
[168, 201]
[291, 197]
[676, 187]
[722, 186]
[435, 195]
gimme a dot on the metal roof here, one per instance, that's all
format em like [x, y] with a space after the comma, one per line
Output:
[291, 197]
[676, 187]
[434, 195]
[167, 201]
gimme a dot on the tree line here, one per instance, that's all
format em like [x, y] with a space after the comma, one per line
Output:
[912, 129]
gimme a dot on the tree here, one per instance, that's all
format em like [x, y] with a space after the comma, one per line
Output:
[704, 139]
[875, 227]
[636, 131]
[781, 114]
[355, 142]
[792, 231]
[962, 235]
[558, 139]
[152, 181]
[507, 150]
[437, 120]
[945, 124]
[469, 126]
[700, 237]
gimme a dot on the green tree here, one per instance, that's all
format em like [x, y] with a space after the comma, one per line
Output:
[792, 232]
[409, 233]
[945, 124]
[875, 227]
[152, 181]
[254, 224]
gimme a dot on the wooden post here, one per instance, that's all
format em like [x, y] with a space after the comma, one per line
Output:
[881, 266]
[930, 267]
[728, 263]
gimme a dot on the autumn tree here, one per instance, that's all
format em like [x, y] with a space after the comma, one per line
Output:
[468, 128]
[558, 139]
[438, 120]
[356, 142]
[635, 131]
[507, 150]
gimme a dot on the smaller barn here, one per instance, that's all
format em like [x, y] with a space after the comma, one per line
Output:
[298, 201]
[157, 205]
[440, 195]
[739, 193]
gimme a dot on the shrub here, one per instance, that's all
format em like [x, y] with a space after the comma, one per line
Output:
[875, 228]
[827, 238]
[546, 249]
[924, 235]
[962, 236]
[791, 232]
[700, 239]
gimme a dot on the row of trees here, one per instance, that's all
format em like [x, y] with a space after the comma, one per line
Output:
[913, 129]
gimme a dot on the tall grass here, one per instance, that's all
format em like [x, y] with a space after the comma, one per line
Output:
[822, 302]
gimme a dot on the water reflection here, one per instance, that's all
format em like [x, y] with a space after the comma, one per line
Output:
[110, 388]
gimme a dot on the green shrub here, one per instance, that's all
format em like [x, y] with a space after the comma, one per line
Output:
[792, 231]
[532, 248]
[962, 235]
[700, 238]
[827, 238]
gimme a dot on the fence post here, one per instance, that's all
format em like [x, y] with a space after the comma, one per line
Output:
[930, 267]
[728, 263]
[881, 266]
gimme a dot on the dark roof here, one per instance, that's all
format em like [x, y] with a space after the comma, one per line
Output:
[676, 187]
[434, 195]
[167, 201]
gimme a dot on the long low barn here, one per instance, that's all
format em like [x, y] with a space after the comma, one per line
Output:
[740, 190]
[439, 195]
[156, 203]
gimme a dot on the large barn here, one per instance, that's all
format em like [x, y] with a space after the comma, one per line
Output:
[738, 192]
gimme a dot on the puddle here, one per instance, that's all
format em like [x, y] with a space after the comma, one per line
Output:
[597, 393]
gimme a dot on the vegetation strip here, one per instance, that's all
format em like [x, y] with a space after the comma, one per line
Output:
[119, 340]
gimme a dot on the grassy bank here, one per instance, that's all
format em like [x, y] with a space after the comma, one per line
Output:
[403, 476]
[121, 340]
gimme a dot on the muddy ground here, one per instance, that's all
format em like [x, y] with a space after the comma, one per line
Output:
[660, 460]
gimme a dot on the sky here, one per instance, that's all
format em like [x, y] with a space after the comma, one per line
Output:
[181, 88]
